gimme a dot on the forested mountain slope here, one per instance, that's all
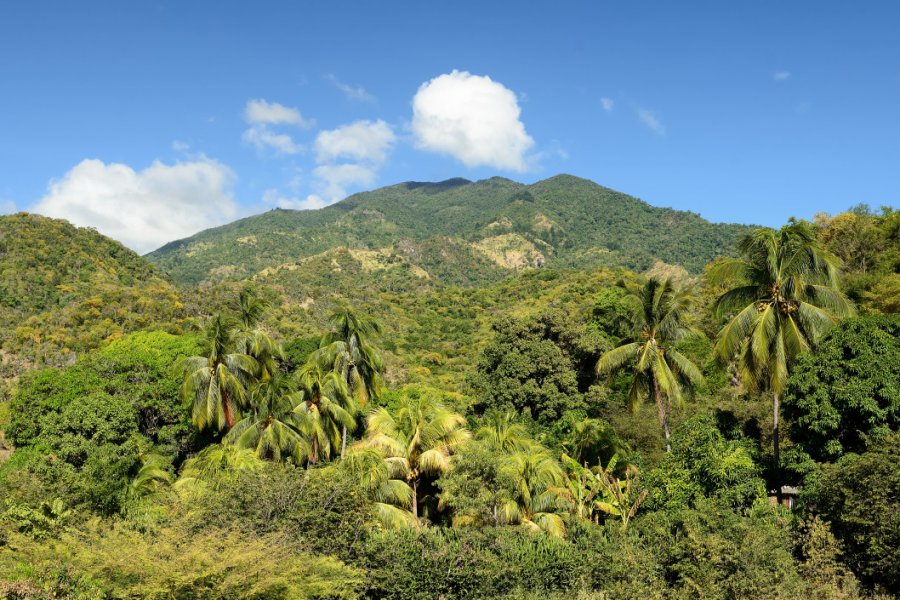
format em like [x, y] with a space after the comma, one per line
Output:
[489, 228]
[65, 289]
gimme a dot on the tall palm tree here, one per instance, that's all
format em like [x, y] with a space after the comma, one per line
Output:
[538, 491]
[657, 324]
[326, 407]
[383, 482]
[349, 350]
[272, 428]
[503, 434]
[250, 338]
[418, 442]
[216, 384]
[785, 297]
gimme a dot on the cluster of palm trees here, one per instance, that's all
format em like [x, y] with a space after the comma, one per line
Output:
[783, 297]
[239, 386]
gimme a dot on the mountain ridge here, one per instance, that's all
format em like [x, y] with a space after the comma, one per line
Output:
[569, 221]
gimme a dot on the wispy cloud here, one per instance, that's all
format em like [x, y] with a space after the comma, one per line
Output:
[355, 93]
[260, 112]
[651, 120]
[262, 116]
[608, 104]
[781, 75]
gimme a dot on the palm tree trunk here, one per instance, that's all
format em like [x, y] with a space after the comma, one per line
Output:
[663, 415]
[343, 442]
[314, 451]
[229, 414]
[776, 447]
[415, 501]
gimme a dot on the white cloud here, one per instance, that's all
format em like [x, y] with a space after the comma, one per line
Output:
[143, 209]
[333, 180]
[472, 118]
[649, 118]
[7, 207]
[260, 112]
[179, 146]
[608, 104]
[311, 202]
[262, 115]
[360, 141]
[356, 93]
[781, 75]
[261, 137]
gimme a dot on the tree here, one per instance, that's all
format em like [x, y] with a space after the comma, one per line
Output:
[536, 499]
[418, 441]
[326, 407]
[502, 434]
[784, 297]
[859, 496]
[272, 428]
[657, 324]
[253, 340]
[216, 384]
[846, 393]
[348, 349]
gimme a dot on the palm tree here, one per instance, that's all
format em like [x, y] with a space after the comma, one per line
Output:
[382, 481]
[657, 324]
[272, 428]
[253, 340]
[216, 384]
[418, 442]
[348, 349]
[503, 434]
[537, 493]
[326, 407]
[785, 297]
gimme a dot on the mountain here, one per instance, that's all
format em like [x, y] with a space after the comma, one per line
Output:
[65, 289]
[460, 232]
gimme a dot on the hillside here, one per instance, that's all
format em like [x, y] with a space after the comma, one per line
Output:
[487, 228]
[65, 289]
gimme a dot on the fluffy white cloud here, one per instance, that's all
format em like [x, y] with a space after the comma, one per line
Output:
[7, 207]
[649, 118]
[260, 112]
[333, 180]
[260, 137]
[361, 141]
[608, 104]
[356, 93]
[781, 75]
[472, 118]
[143, 209]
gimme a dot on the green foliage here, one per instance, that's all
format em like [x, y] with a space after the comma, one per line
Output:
[533, 365]
[859, 496]
[703, 464]
[848, 391]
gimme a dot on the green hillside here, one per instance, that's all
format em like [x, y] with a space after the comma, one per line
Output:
[461, 232]
[65, 289]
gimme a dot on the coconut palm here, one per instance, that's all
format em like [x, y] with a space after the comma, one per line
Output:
[501, 433]
[537, 496]
[253, 340]
[326, 407]
[417, 442]
[657, 324]
[216, 384]
[785, 297]
[382, 482]
[349, 350]
[272, 428]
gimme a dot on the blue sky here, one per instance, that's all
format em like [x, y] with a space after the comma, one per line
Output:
[151, 121]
